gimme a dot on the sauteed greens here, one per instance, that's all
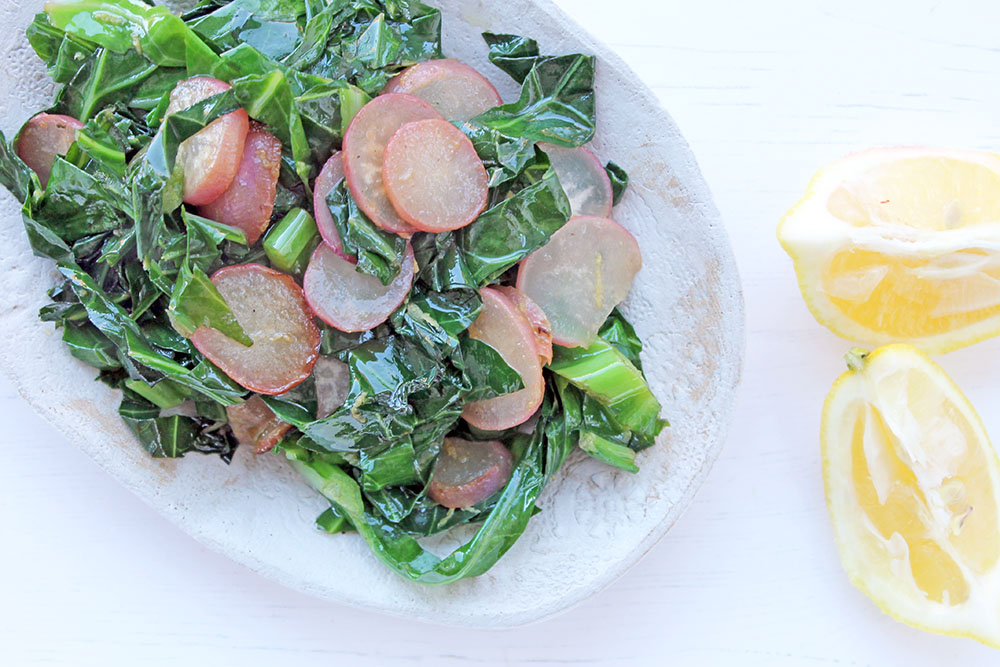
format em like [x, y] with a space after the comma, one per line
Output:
[191, 276]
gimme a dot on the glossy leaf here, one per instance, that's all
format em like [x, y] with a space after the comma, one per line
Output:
[507, 233]
[378, 252]
[619, 181]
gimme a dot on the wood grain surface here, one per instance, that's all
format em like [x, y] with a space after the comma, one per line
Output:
[765, 92]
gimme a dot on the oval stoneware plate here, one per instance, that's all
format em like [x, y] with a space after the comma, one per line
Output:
[686, 304]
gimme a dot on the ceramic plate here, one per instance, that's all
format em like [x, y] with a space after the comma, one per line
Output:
[686, 304]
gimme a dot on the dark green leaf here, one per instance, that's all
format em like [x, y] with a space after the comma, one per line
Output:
[394, 467]
[91, 347]
[511, 230]
[77, 204]
[498, 532]
[173, 436]
[556, 103]
[379, 253]
[195, 302]
[513, 54]
[16, 176]
[619, 181]
[435, 319]
[488, 374]
[270, 26]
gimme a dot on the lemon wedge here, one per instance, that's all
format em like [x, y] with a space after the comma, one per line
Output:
[901, 245]
[913, 489]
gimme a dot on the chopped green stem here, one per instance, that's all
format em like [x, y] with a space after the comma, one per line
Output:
[609, 452]
[351, 101]
[290, 242]
[602, 371]
[164, 394]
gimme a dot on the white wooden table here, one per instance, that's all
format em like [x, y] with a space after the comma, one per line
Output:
[765, 92]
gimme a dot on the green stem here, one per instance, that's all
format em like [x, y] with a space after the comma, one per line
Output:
[290, 242]
[604, 373]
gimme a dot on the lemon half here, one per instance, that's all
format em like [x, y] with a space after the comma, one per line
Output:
[901, 245]
[912, 486]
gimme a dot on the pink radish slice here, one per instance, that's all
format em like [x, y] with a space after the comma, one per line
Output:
[433, 176]
[469, 472]
[255, 425]
[583, 179]
[349, 300]
[43, 138]
[210, 157]
[333, 383]
[584, 271]
[273, 313]
[456, 90]
[249, 201]
[331, 174]
[501, 326]
[364, 146]
[536, 318]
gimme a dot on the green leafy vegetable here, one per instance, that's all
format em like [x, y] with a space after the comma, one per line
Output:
[196, 302]
[135, 261]
[123, 25]
[605, 374]
[507, 233]
[173, 436]
[401, 552]
[379, 253]
[557, 94]
[619, 181]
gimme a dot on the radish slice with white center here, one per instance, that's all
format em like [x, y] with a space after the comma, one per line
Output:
[255, 425]
[331, 174]
[210, 157]
[433, 176]
[349, 300]
[249, 200]
[364, 145]
[580, 275]
[583, 178]
[272, 311]
[502, 326]
[536, 318]
[43, 138]
[333, 383]
[456, 90]
[469, 472]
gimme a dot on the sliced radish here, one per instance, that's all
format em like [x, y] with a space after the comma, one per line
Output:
[583, 178]
[255, 425]
[274, 314]
[43, 138]
[456, 90]
[331, 174]
[469, 472]
[349, 300]
[584, 271]
[502, 326]
[333, 382]
[536, 318]
[249, 201]
[211, 157]
[433, 176]
[364, 146]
